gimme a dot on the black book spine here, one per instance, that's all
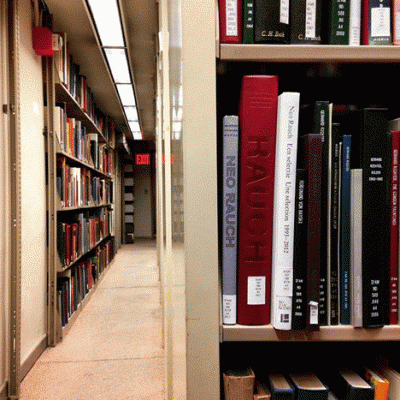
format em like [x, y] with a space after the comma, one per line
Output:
[299, 309]
[305, 22]
[271, 21]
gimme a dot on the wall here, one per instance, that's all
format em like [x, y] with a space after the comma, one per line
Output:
[33, 259]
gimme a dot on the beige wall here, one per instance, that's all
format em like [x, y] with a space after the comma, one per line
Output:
[33, 259]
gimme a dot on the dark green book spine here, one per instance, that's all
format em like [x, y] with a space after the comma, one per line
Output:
[248, 21]
[339, 22]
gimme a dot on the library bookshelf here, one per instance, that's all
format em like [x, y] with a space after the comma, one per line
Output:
[80, 203]
[204, 63]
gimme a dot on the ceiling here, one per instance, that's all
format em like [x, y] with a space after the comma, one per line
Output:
[140, 18]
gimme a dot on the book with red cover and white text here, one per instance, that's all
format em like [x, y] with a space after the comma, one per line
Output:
[230, 21]
[257, 116]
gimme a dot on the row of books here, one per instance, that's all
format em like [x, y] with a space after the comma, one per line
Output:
[75, 283]
[338, 22]
[76, 84]
[309, 210]
[381, 383]
[74, 140]
[76, 236]
[79, 187]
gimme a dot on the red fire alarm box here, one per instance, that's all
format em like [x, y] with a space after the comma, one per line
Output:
[42, 39]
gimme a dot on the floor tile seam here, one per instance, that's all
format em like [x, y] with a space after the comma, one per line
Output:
[46, 362]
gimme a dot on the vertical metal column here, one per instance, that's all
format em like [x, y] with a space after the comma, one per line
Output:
[15, 155]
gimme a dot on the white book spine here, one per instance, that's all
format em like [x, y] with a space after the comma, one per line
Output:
[284, 206]
[355, 243]
[355, 23]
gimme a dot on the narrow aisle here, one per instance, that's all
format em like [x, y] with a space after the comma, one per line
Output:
[114, 350]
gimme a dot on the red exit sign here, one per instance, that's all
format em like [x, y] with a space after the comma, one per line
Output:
[142, 159]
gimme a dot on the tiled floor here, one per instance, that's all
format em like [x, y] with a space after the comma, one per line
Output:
[114, 350]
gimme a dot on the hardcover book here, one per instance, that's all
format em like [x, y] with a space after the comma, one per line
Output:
[355, 23]
[271, 21]
[348, 385]
[310, 149]
[248, 21]
[239, 384]
[229, 217]
[396, 22]
[261, 392]
[299, 307]
[284, 209]
[339, 21]
[230, 21]
[308, 387]
[378, 382]
[257, 119]
[376, 22]
[281, 388]
[305, 22]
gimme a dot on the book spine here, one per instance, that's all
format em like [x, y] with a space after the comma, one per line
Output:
[356, 247]
[394, 230]
[258, 112]
[339, 22]
[230, 21]
[299, 309]
[248, 21]
[311, 152]
[284, 205]
[229, 224]
[271, 21]
[345, 279]
[396, 22]
[376, 22]
[355, 23]
[305, 22]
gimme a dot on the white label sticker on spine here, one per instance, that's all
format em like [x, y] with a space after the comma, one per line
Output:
[229, 304]
[311, 16]
[284, 12]
[231, 18]
[380, 21]
[256, 290]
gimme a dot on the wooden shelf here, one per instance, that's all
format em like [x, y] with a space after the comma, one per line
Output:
[300, 53]
[242, 333]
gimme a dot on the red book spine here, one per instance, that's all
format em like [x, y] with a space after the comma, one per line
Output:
[258, 112]
[311, 160]
[394, 230]
[365, 11]
[230, 21]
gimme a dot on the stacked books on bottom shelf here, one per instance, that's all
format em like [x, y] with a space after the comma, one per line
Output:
[76, 282]
[333, 384]
[309, 209]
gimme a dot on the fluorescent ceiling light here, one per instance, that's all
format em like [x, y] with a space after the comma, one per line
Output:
[134, 125]
[118, 63]
[131, 113]
[126, 94]
[108, 22]
[137, 135]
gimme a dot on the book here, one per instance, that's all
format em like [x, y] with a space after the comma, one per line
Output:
[371, 152]
[271, 21]
[284, 209]
[376, 22]
[239, 384]
[230, 215]
[310, 151]
[280, 387]
[308, 386]
[378, 382]
[394, 229]
[299, 307]
[345, 201]
[393, 377]
[261, 392]
[257, 119]
[305, 22]
[355, 23]
[339, 22]
[396, 22]
[248, 21]
[356, 248]
[348, 385]
[230, 21]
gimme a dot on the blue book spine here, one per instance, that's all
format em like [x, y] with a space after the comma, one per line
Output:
[345, 245]
[230, 214]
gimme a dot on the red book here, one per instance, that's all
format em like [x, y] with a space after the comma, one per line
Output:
[258, 113]
[310, 147]
[230, 21]
[68, 235]
[394, 230]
